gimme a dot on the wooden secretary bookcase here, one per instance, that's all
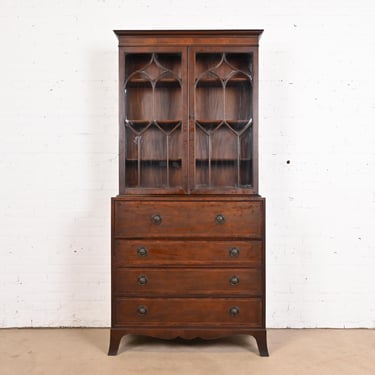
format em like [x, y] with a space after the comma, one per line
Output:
[188, 225]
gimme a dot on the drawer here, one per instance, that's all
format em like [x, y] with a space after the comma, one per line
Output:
[189, 311]
[168, 253]
[188, 281]
[135, 219]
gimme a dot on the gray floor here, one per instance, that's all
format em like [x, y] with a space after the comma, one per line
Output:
[84, 351]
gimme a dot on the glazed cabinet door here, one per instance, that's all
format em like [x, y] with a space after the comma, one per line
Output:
[153, 120]
[223, 120]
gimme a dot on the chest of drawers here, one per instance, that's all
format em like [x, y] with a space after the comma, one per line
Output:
[195, 271]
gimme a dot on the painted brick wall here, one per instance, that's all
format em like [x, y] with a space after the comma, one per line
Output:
[58, 153]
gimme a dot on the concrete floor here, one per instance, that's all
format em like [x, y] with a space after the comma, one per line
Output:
[84, 351]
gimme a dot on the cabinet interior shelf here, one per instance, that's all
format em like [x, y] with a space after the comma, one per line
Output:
[218, 122]
[172, 163]
[223, 160]
[146, 122]
[167, 126]
[203, 122]
[145, 83]
[217, 82]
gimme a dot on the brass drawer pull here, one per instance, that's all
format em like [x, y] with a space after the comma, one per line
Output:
[142, 252]
[234, 311]
[220, 219]
[156, 219]
[142, 310]
[234, 252]
[234, 280]
[142, 280]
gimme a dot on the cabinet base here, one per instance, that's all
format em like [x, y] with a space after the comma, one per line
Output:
[116, 335]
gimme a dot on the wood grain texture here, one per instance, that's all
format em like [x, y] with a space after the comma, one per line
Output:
[188, 228]
[187, 253]
[187, 333]
[188, 37]
[189, 281]
[193, 312]
[188, 219]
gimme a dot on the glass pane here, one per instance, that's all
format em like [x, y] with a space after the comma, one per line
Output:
[201, 155]
[237, 98]
[224, 173]
[153, 120]
[142, 95]
[223, 120]
[209, 98]
[168, 99]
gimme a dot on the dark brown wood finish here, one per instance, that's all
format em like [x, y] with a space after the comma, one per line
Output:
[134, 219]
[197, 253]
[188, 37]
[202, 312]
[190, 281]
[188, 228]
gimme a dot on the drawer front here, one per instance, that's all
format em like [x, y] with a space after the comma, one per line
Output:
[188, 219]
[168, 253]
[175, 281]
[188, 311]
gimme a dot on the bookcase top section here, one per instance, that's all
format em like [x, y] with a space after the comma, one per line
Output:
[188, 37]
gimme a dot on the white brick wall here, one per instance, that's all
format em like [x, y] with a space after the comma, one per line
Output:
[58, 153]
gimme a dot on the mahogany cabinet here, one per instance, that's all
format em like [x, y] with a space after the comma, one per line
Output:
[188, 225]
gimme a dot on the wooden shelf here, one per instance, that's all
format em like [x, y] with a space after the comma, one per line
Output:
[209, 122]
[154, 159]
[145, 122]
[237, 126]
[145, 83]
[217, 82]
[223, 160]
[217, 122]
[174, 163]
[238, 81]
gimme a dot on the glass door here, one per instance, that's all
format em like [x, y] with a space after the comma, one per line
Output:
[222, 122]
[153, 158]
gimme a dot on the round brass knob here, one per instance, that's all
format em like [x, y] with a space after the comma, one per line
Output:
[220, 219]
[142, 280]
[234, 252]
[234, 311]
[142, 252]
[156, 219]
[234, 280]
[142, 310]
